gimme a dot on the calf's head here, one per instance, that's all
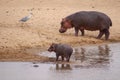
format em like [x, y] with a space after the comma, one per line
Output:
[65, 24]
[52, 47]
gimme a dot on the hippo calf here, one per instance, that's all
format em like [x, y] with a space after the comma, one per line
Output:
[87, 20]
[62, 50]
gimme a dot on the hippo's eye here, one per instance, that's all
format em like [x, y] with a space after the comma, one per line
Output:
[52, 47]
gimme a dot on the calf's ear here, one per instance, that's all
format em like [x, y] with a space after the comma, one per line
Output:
[53, 43]
[53, 46]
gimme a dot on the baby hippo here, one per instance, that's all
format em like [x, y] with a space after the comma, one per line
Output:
[62, 50]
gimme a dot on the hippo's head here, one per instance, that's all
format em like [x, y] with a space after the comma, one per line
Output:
[52, 47]
[65, 24]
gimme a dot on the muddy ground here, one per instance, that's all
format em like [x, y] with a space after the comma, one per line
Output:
[42, 29]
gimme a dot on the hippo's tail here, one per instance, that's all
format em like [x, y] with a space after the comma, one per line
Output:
[110, 22]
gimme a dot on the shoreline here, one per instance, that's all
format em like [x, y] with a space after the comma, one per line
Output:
[26, 56]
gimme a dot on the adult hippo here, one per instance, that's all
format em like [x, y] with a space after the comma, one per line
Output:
[87, 20]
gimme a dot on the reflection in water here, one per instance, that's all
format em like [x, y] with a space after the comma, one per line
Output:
[104, 50]
[103, 54]
[63, 67]
[80, 55]
[92, 55]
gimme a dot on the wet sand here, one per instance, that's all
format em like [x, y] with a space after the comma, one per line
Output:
[42, 29]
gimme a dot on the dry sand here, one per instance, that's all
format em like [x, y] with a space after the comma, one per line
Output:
[42, 29]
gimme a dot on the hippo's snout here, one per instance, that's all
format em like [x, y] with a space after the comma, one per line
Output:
[62, 30]
[49, 50]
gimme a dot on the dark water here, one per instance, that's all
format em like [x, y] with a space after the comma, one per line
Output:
[100, 62]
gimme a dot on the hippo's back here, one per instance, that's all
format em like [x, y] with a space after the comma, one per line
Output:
[91, 19]
[64, 49]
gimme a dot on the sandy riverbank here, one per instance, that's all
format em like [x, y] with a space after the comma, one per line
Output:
[42, 29]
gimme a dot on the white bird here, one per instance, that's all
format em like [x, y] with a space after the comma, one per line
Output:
[26, 18]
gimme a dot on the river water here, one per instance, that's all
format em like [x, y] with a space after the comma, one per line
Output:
[98, 62]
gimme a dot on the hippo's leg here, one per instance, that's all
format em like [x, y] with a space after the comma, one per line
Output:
[62, 58]
[107, 33]
[82, 32]
[76, 31]
[67, 58]
[57, 56]
[70, 55]
[100, 34]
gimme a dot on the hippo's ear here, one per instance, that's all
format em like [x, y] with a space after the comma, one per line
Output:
[53, 46]
[66, 20]
[53, 43]
[63, 19]
[69, 21]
